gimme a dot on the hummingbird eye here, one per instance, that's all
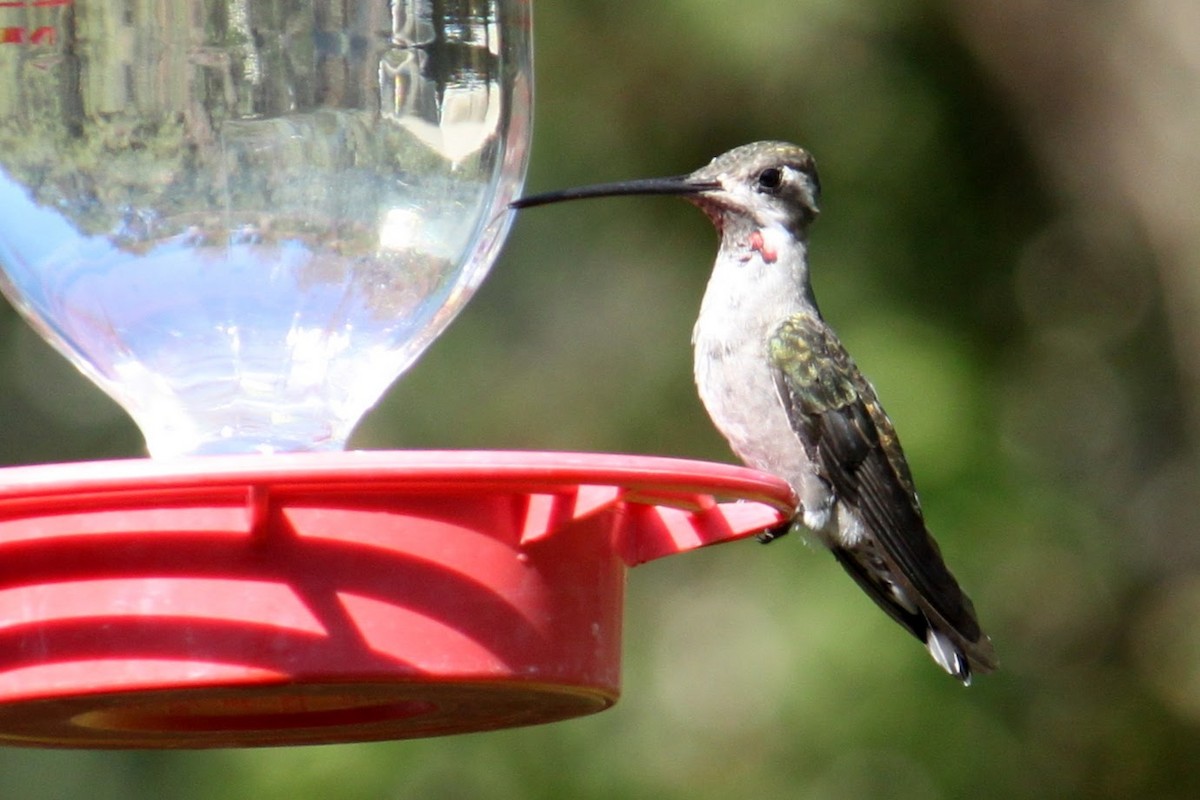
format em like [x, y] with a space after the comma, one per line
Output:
[770, 179]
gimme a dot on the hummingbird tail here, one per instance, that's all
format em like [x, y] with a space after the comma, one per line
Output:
[948, 656]
[956, 653]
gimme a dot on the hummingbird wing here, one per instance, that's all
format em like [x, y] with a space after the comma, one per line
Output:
[852, 443]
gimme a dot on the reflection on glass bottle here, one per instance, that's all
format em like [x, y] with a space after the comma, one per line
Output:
[441, 81]
[243, 218]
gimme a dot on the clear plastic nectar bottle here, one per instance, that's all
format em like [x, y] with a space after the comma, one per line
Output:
[243, 219]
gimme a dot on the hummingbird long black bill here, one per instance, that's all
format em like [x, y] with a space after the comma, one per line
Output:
[676, 186]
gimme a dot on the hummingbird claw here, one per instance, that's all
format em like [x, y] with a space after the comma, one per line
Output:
[771, 534]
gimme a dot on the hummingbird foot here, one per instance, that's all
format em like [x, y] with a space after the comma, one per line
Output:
[771, 534]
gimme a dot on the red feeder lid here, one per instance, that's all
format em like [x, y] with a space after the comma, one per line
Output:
[335, 597]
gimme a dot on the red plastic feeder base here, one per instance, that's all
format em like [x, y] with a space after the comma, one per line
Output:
[316, 598]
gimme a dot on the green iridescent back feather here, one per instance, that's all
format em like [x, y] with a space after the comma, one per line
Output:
[822, 376]
[854, 446]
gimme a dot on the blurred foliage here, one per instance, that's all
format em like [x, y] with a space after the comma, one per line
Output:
[1008, 246]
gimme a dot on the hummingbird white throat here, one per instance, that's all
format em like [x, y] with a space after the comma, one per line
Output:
[784, 392]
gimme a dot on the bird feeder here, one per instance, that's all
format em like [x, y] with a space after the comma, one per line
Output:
[243, 224]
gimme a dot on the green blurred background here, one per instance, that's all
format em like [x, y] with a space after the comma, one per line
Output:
[1010, 248]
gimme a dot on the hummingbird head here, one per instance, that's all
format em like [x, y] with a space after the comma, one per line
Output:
[761, 185]
[765, 184]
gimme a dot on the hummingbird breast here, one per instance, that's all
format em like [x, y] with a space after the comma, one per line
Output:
[738, 390]
[744, 303]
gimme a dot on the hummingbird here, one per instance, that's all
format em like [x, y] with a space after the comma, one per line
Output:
[782, 389]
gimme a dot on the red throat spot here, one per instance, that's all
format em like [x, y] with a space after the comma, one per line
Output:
[759, 245]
